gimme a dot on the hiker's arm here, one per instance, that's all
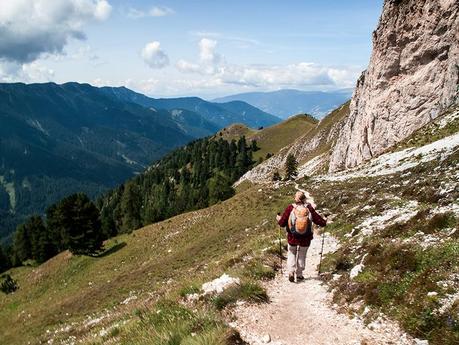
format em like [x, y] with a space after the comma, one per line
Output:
[284, 218]
[316, 218]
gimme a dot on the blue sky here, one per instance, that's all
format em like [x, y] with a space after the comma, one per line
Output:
[176, 48]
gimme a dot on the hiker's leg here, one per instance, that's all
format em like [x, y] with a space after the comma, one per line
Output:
[291, 259]
[301, 260]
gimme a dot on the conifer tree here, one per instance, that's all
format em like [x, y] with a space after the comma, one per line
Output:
[78, 220]
[4, 260]
[220, 188]
[7, 284]
[45, 247]
[131, 203]
[291, 166]
[22, 246]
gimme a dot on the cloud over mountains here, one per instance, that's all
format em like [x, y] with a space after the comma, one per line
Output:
[31, 28]
[154, 56]
[213, 65]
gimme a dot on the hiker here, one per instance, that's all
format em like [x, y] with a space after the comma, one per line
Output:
[297, 220]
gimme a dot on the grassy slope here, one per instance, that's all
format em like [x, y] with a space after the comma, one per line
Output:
[68, 289]
[202, 246]
[272, 139]
[325, 126]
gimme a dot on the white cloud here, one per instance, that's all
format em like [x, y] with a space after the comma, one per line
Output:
[240, 42]
[160, 11]
[31, 28]
[37, 73]
[135, 13]
[207, 53]
[29, 72]
[209, 60]
[103, 10]
[213, 66]
[154, 56]
[155, 11]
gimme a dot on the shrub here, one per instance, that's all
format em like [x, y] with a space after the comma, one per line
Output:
[247, 291]
[259, 271]
[8, 284]
[170, 323]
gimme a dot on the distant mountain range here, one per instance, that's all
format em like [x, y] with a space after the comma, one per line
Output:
[222, 114]
[59, 139]
[285, 103]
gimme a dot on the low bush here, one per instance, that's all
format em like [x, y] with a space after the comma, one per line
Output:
[170, 323]
[259, 271]
[246, 291]
[7, 284]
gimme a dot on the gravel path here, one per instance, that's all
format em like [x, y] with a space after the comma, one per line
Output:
[301, 313]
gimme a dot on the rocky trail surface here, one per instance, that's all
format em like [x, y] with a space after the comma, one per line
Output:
[303, 313]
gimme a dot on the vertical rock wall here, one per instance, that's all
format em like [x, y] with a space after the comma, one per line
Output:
[412, 77]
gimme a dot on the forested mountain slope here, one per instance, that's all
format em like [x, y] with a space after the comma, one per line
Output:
[61, 139]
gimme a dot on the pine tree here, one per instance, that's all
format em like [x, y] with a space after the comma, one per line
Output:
[85, 233]
[291, 166]
[56, 225]
[38, 238]
[219, 188]
[131, 203]
[22, 246]
[7, 284]
[78, 220]
[45, 247]
[4, 260]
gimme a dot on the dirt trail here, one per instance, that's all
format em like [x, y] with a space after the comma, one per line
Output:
[301, 313]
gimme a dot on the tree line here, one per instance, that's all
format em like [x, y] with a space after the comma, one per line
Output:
[195, 176]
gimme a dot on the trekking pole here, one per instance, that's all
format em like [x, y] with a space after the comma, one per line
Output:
[321, 251]
[323, 241]
[280, 247]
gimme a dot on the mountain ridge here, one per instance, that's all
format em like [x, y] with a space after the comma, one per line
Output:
[57, 139]
[220, 114]
[287, 102]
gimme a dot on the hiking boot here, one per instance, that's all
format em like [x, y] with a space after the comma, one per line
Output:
[291, 278]
[299, 279]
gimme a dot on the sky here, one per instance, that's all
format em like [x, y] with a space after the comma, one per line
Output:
[188, 48]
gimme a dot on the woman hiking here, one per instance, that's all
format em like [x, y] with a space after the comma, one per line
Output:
[297, 220]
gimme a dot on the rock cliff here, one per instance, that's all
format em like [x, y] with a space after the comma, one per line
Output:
[412, 77]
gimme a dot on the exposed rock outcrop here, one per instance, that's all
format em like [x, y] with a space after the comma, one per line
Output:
[412, 77]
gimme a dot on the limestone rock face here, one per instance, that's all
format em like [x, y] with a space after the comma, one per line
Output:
[412, 77]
